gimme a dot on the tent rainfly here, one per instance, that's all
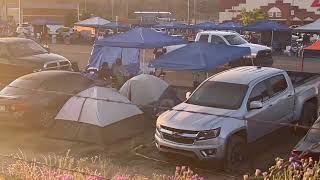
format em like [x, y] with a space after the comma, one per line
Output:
[98, 115]
[312, 27]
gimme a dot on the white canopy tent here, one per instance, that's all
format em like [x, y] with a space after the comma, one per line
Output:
[144, 89]
[312, 27]
[93, 22]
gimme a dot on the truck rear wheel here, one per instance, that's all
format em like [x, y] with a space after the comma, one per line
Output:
[309, 114]
[236, 159]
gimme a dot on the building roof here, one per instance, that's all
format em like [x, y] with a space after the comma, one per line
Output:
[245, 75]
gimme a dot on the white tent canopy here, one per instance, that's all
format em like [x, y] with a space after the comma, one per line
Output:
[312, 27]
[98, 106]
[144, 89]
[92, 22]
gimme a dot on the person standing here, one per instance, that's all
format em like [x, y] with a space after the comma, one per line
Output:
[119, 72]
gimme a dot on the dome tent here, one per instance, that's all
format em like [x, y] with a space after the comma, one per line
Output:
[147, 91]
[98, 115]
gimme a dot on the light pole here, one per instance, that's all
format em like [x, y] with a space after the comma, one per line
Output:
[195, 11]
[20, 13]
[188, 12]
[112, 7]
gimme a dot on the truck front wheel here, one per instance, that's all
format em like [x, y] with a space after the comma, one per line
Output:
[236, 154]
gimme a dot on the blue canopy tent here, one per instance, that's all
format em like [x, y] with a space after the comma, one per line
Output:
[105, 54]
[116, 25]
[140, 38]
[230, 26]
[200, 57]
[172, 25]
[205, 26]
[269, 26]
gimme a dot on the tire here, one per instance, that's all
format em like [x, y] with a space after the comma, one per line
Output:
[236, 157]
[309, 114]
[45, 119]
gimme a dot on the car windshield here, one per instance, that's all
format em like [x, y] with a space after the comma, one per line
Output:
[219, 95]
[28, 48]
[234, 39]
[313, 135]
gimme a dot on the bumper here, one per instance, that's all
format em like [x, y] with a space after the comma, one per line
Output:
[199, 150]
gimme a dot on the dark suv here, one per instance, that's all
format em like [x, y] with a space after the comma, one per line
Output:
[19, 56]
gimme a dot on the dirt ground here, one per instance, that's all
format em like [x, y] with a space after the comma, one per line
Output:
[145, 159]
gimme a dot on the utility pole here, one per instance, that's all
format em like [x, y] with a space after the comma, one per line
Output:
[20, 13]
[189, 12]
[112, 9]
[195, 11]
[85, 6]
[127, 8]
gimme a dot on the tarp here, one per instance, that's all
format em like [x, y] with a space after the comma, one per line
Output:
[172, 25]
[98, 106]
[144, 89]
[312, 51]
[268, 25]
[42, 21]
[92, 22]
[105, 54]
[230, 26]
[312, 27]
[116, 25]
[205, 26]
[142, 38]
[200, 57]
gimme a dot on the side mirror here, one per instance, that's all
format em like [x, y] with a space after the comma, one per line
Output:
[256, 105]
[188, 95]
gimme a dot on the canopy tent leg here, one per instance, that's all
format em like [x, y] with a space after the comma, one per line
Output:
[272, 36]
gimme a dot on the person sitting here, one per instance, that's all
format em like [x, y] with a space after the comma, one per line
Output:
[119, 72]
[104, 72]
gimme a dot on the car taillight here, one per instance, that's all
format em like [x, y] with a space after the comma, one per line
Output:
[17, 107]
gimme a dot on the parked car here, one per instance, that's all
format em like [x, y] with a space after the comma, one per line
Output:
[260, 54]
[20, 56]
[222, 115]
[35, 99]
[24, 28]
[64, 32]
[309, 145]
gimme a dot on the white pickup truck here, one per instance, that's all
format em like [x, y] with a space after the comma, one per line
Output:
[234, 108]
[261, 55]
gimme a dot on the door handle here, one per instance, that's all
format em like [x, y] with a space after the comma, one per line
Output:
[290, 95]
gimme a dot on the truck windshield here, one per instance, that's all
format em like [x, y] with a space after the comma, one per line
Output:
[219, 95]
[22, 49]
[234, 39]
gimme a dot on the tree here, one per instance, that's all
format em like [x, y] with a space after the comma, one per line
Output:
[249, 17]
[70, 19]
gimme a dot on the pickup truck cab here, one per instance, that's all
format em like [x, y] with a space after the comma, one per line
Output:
[261, 55]
[20, 56]
[234, 108]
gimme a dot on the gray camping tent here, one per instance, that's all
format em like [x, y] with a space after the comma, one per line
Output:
[98, 115]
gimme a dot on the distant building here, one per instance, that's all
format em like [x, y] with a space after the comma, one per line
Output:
[54, 11]
[291, 12]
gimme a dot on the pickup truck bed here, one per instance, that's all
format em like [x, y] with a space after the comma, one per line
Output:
[301, 78]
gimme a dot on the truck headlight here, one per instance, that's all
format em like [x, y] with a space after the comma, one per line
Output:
[210, 134]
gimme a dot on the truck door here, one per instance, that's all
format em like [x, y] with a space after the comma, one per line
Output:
[282, 100]
[257, 118]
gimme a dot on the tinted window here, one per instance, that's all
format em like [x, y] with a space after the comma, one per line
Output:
[71, 84]
[278, 84]
[204, 38]
[259, 93]
[219, 95]
[217, 40]
[25, 48]
[235, 39]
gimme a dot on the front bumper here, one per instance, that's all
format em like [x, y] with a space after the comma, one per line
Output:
[198, 150]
